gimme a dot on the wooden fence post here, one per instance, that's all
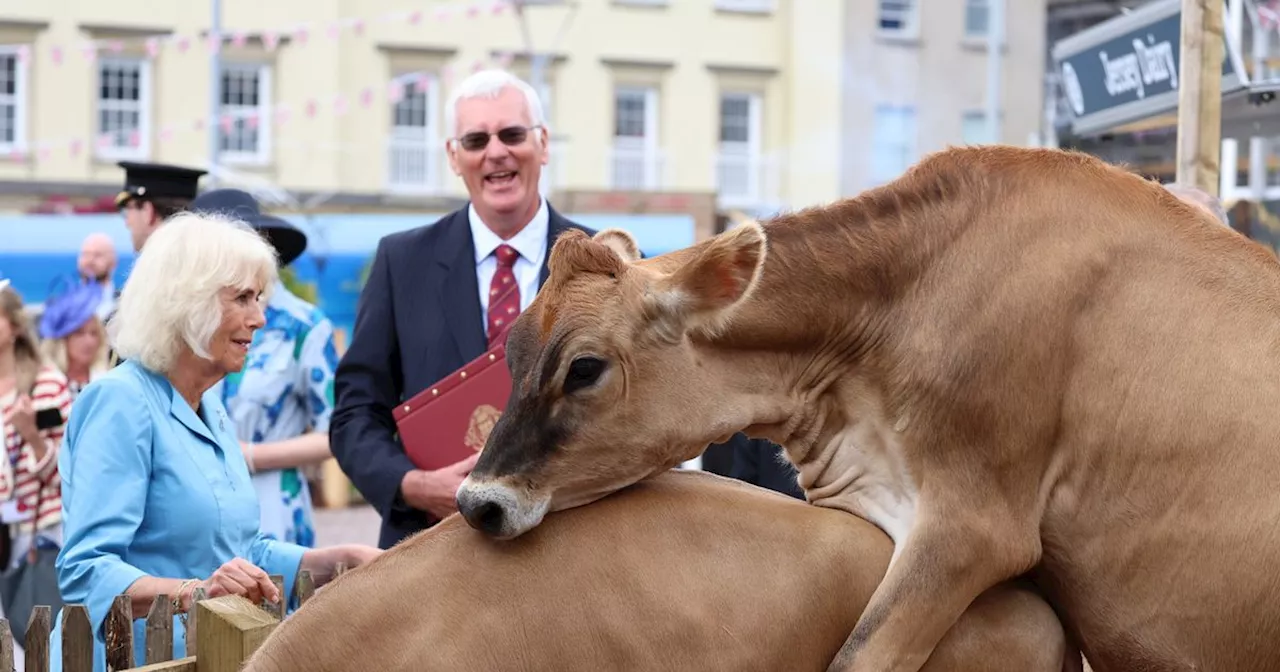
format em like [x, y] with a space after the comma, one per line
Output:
[1199, 138]
[77, 639]
[306, 587]
[36, 645]
[231, 629]
[160, 630]
[119, 635]
[6, 646]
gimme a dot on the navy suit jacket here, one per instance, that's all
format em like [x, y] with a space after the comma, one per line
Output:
[762, 462]
[418, 320]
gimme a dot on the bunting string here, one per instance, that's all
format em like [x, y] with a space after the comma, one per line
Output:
[280, 113]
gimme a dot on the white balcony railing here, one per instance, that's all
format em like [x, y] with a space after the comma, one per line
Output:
[748, 180]
[414, 159]
[636, 169]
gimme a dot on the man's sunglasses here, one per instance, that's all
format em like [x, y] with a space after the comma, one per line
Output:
[510, 136]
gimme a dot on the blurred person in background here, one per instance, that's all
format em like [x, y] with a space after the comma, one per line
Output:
[282, 399]
[152, 193]
[1201, 199]
[96, 265]
[157, 496]
[72, 337]
[426, 309]
[34, 405]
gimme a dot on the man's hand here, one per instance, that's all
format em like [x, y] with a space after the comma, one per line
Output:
[434, 491]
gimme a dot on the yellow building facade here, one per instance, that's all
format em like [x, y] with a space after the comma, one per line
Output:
[341, 102]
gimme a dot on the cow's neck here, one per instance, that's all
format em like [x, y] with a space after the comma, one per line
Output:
[823, 317]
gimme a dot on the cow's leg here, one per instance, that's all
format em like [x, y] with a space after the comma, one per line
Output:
[946, 561]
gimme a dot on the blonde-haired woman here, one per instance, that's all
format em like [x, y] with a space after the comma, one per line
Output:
[157, 496]
[72, 337]
[34, 403]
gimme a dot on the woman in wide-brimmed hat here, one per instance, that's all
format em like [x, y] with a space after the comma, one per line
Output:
[282, 400]
[72, 336]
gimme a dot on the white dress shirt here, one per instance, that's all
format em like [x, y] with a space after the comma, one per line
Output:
[531, 243]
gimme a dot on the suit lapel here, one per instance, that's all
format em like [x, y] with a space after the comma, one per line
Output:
[460, 293]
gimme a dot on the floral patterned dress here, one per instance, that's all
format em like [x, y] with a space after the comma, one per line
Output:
[284, 390]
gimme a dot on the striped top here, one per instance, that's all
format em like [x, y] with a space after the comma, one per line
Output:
[22, 476]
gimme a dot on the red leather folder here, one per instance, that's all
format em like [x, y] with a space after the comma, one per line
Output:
[451, 420]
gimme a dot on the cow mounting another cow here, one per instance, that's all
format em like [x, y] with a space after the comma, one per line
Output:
[1010, 360]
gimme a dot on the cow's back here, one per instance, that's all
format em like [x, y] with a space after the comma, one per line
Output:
[684, 571]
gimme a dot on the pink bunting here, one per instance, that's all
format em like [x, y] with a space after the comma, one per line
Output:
[270, 39]
[153, 47]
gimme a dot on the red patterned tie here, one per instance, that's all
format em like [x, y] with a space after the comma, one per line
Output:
[504, 295]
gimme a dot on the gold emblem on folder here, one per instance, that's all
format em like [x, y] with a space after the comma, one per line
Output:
[482, 421]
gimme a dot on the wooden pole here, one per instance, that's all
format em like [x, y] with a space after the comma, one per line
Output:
[1200, 94]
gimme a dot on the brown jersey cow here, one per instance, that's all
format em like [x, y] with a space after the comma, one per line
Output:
[687, 571]
[1008, 359]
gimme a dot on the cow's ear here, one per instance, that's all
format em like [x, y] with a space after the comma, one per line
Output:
[621, 242]
[703, 293]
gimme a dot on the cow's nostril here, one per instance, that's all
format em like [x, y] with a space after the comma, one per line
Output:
[482, 513]
[489, 517]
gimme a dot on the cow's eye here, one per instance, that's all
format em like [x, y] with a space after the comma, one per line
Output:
[583, 372]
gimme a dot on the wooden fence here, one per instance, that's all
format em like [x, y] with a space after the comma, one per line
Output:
[221, 633]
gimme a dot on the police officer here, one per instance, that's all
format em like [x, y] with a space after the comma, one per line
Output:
[152, 193]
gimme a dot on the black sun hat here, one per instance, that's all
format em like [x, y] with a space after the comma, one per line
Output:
[290, 242]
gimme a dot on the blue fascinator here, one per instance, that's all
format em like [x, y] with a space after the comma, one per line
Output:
[67, 310]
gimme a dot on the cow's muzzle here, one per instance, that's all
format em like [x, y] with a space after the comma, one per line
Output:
[498, 510]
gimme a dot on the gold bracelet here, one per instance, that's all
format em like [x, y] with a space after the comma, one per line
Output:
[177, 597]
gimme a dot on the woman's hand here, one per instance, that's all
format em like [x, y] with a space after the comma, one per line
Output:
[241, 577]
[322, 562]
[359, 555]
[23, 418]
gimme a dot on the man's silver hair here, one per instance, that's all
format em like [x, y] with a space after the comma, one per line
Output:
[1199, 197]
[489, 84]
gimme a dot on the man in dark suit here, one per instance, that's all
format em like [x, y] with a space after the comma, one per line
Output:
[437, 296]
[761, 462]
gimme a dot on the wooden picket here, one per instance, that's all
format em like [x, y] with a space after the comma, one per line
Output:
[221, 633]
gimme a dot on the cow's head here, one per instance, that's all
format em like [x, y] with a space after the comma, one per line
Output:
[610, 382]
